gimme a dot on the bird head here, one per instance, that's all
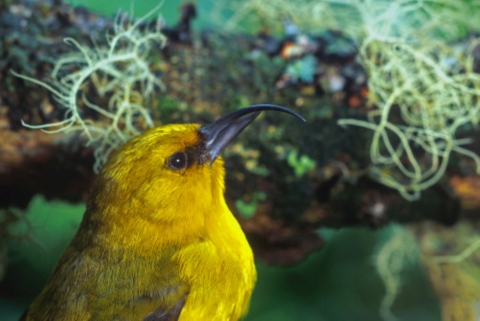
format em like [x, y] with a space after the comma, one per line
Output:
[171, 172]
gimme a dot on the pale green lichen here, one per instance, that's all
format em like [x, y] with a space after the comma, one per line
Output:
[434, 100]
[413, 71]
[121, 71]
[399, 251]
[357, 18]
[460, 257]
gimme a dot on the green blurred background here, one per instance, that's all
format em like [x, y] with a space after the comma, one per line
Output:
[337, 283]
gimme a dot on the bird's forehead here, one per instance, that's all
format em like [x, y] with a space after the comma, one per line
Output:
[176, 136]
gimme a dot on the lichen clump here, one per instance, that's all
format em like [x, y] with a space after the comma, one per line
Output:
[119, 70]
[425, 91]
[399, 251]
[423, 86]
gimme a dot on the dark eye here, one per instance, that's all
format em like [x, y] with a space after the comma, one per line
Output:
[178, 161]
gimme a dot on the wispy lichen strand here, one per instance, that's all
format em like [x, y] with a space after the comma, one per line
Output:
[399, 251]
[424, 90]
[120, 71]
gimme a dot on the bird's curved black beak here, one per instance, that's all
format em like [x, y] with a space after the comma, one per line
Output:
[219, 134]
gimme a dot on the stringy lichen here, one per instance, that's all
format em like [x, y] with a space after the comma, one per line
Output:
[120, 70]
[424, 88]
[399, 251]
[433, 87]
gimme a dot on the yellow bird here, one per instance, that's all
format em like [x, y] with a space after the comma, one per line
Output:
[157, 241]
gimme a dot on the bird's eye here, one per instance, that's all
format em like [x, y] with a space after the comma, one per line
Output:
[178, 161]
